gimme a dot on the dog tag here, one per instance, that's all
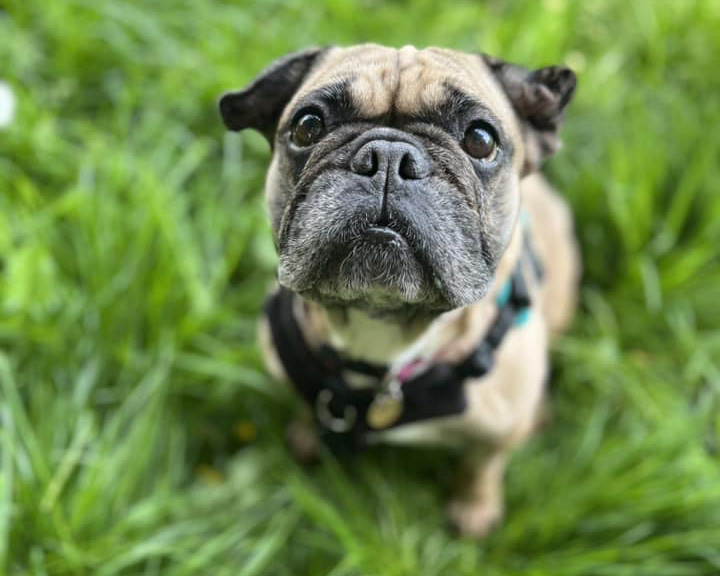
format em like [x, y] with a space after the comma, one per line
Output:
[386, 408]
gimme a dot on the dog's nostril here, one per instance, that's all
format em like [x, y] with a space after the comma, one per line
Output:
[408, 168]
[373, 168]
[365, 163]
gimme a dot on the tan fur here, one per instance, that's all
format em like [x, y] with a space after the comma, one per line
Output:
[503, 408]
[557, 249]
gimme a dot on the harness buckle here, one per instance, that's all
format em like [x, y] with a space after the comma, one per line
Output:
[336, 424]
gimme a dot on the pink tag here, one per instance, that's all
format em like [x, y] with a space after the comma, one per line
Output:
[408, 370]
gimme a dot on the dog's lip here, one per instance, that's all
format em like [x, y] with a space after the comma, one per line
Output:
[383, 235]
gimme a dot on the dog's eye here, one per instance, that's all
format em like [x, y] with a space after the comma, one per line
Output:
[308, 130]
[480, 142]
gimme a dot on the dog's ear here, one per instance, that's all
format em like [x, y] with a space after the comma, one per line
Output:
[260, 104]
[539, 98]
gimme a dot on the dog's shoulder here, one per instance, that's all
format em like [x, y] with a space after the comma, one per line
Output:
[551, 227]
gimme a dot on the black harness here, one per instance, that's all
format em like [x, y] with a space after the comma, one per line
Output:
[344, 415]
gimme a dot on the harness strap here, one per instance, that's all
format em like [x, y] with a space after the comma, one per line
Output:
[305, 367]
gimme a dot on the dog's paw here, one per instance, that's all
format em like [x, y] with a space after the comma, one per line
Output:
[475, 518]
[303, 441]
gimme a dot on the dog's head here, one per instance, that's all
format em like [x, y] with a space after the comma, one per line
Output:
[394, 184]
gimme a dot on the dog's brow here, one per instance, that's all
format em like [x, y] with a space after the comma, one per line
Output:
[335, 95]
[458, 105]
[461, 101]
[335, 92]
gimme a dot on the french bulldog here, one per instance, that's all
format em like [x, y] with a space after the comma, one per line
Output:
[403, 193]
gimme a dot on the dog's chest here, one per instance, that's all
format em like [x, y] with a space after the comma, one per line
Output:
[494, 403]
[500, 406]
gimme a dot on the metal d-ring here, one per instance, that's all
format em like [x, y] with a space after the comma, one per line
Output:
[326, 417]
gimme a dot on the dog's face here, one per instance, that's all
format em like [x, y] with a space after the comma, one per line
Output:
[394, 184]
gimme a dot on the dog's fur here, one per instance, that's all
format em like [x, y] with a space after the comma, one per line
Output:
[430, 294]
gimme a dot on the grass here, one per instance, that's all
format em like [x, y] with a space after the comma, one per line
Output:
[139, 434]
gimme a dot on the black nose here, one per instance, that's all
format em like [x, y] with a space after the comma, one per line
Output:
[398, 160]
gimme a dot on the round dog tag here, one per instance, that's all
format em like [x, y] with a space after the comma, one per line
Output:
[384, 410]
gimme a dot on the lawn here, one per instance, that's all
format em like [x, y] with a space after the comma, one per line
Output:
[138, 431]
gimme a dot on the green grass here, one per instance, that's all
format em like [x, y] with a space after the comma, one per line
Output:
[139, 434]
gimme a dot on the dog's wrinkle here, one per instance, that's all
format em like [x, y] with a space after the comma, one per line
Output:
[394, 91]
[445, 150]
[320, 160]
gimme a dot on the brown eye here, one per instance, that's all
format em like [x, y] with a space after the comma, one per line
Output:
[308, 130]
[480, 142]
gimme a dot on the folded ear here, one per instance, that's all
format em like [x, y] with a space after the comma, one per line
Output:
[260, 104]
[539, 98]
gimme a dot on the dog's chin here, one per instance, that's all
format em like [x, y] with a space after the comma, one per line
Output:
[378, 273]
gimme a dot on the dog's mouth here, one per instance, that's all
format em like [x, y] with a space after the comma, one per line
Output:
[383, 239]
[382, 235]
[375, 265]
[382, 255]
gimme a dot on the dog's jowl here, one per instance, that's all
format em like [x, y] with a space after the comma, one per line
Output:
[424, 262]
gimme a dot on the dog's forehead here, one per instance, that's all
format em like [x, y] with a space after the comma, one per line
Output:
[406, 80]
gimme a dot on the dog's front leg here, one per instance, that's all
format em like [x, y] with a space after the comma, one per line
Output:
[479, 503]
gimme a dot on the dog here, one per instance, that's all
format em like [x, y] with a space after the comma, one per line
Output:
[424, 262]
